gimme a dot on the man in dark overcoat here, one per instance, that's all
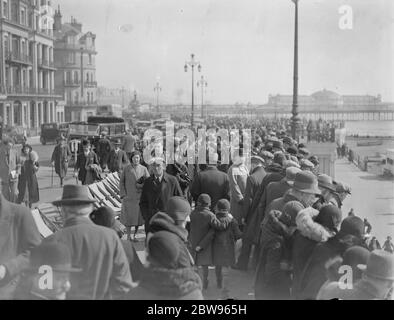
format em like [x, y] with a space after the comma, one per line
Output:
[253, 184]
[157, 190]
[213, 182]
[60, 158]
[117, 158]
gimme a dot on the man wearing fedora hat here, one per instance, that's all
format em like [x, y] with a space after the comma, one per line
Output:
[18, 235]
[86, 161]
[60, 157]
[117, 160]
[377, 281]
[328, 190]
[96, 249]
[50, 261]
[104, 148]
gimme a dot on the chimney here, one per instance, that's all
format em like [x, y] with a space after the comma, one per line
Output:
[57, 26]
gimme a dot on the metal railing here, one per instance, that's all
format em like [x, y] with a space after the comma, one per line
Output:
[44, 63]
[74, 83]
[90, 83]
[16, 56]
[25, 90]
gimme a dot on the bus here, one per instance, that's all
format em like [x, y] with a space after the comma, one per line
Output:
[115, 129]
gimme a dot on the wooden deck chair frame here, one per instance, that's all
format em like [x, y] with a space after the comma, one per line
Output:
[111, 189]
[102, 197]
[113, 182]
[109, 196]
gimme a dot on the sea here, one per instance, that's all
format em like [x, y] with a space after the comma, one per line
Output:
[383, 128]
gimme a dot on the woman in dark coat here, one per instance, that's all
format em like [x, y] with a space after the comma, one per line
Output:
[313, 227]
[272, 279]
[28, 185]
[313, 276]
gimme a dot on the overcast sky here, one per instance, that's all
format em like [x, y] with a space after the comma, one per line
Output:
[245, 46]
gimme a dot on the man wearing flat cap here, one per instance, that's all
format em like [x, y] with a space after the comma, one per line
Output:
[157, 190]
[95, 249]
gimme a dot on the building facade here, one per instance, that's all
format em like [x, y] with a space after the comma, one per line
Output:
[75, 61]
[27, 72]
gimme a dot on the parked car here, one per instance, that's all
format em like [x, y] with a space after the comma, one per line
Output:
[50, 132]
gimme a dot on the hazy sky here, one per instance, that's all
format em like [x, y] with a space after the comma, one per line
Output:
[245, 47]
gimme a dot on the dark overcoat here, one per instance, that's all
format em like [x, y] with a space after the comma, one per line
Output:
[223, 243]
[28, 178]
[82, 164]
[18, 235]
[61, 156]
[117, 161]
[200, 223]
[154, 197]
[212, 182]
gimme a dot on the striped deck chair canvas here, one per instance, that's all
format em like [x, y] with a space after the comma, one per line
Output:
[112, 190]
[103, 201]
[108, 195]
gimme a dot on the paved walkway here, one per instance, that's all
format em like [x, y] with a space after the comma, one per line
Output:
[372, 198]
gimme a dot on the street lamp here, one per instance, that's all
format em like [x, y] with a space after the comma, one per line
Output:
[157, 89]
[203, 84]
[295, 119]
[192, 63]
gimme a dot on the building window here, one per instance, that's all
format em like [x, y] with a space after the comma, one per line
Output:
[71, 57]
[23, 16]
[76, 97]
[90, 59]
[5, 9]
[14, 11]
[76, 80]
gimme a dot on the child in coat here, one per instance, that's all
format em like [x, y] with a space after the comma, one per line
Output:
[200, 224]
[223, 234]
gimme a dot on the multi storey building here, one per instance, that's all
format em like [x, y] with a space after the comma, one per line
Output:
[75, 77]
[27, 71]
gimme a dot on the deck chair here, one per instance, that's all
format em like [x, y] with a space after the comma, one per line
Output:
[41, 225]
[116, 176]
[114, 186]
[113, 181]
[112, 190]
[102, 198]
[108, 195]
[51, 216]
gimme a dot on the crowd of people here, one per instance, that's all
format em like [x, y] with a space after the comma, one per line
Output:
[295, 238]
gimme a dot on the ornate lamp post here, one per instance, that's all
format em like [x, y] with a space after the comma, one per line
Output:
[295, 119]
[157, 89]
[203, 84]
[192, 63]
